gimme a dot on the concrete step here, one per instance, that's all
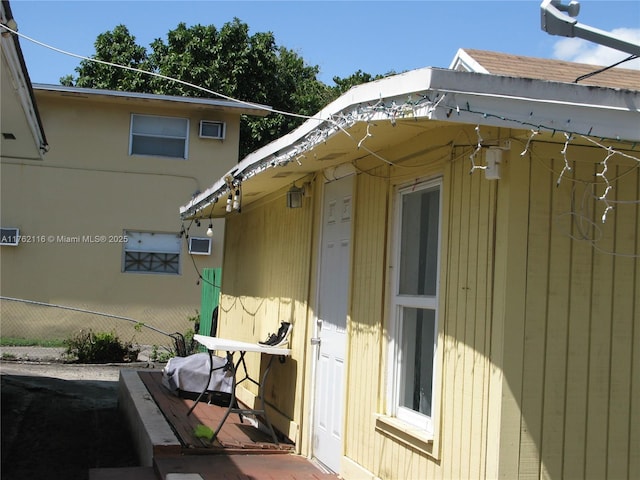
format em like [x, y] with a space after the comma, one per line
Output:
[124, 473]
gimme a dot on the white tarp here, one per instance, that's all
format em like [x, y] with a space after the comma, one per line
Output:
[189, 374]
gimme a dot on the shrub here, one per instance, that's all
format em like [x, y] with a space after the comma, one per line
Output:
[102, 347]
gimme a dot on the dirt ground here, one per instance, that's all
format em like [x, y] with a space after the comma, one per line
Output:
[60, 420]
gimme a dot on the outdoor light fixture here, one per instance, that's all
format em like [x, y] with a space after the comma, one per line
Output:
[294, 197]
[210, 230]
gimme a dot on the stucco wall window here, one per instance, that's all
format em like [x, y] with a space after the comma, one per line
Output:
[415, 305]
[150, 252]
[159, 136]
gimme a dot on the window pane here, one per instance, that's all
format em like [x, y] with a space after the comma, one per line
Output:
[419, 242]
[152, 252]
[416, 368]
[163, 136]
[164, 126]
[164, 147]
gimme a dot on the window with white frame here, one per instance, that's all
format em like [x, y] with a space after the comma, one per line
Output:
[151, 252]
[415, 304]
[159, 136]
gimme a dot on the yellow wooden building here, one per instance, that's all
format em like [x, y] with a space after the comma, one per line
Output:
[461, 268]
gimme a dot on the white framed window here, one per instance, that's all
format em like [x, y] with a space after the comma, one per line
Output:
[151, 252]
[414, 305]
[159, 136]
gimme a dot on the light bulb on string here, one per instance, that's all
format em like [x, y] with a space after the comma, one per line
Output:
[229, 203]
[236, 200]
[210, 230]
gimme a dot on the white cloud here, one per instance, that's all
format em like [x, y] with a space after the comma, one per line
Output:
[582, 51]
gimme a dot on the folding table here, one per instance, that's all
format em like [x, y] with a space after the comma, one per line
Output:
[231, 347]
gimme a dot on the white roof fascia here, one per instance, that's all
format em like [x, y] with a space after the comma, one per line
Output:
[467, 62]
[458, 97]
[244, 107]
[21, 83]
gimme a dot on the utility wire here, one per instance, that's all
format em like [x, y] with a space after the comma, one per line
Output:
[582, 77]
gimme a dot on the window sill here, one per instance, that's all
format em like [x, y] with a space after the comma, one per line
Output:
[406, 434]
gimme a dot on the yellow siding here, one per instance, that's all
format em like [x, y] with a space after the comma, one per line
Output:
[538, 332]
[468, 216]
[581, 304]
[266, 281]
[365, 345]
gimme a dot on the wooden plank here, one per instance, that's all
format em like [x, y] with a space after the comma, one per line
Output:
[622, 376]
[579, 321]
[234, 437]
[634, 416]
[535, 322]
[509, 298]
[455, 296]
[599, 356]
[555, 353]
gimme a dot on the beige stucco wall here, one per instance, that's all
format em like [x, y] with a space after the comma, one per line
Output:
[89, 186]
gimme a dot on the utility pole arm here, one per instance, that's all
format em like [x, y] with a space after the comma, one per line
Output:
[555, 22]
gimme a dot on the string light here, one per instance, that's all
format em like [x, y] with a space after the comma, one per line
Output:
[236, 199]
[566, 168]
[603, 175]
[379, 110]
[342, 121]
[526, 147]
[229, 207]
[472, 157]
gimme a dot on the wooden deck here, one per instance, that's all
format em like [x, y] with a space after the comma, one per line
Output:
[234, 438]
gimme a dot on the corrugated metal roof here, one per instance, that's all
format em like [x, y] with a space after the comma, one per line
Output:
[555, 70]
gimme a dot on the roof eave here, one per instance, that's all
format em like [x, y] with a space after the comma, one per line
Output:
[240, 107]
[449, 96]
[18, 67]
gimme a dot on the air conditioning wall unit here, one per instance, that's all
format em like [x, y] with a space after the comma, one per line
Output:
[212, 129]
[199, 246]
[9, 236]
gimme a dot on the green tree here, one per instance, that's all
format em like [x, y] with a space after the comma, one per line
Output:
[119, 47]
[229, 61]
[344, 84]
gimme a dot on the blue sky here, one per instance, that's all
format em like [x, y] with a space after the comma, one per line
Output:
[340, 37]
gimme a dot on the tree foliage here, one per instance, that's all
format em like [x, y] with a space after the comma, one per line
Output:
[229, 61]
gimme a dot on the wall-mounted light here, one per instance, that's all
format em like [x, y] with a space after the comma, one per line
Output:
[294, 197]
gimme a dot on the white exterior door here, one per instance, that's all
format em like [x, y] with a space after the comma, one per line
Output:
[333, 284]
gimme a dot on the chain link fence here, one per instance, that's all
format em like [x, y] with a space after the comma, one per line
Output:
[25, 322]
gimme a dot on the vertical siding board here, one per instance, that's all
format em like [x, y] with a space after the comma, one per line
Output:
[599, 357]
[486, 345]
[357, 359]
[456, 321]
[622, 326]
[471, 317]
[479, 372]
[575, 421]
[556, 331]
[634, 371]
[451, 298]
[369, 236]
[535, 323]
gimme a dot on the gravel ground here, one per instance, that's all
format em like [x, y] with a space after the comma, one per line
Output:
[59, 420]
